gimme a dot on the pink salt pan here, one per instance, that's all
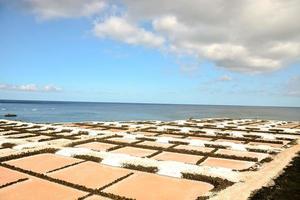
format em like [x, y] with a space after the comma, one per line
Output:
[43, 163]
[195, 148]
[146, 133]
[123, 140]
[147, 186]
[232, 141]
[115, 130]
[133, 151]
[171, 135]
[90, 174]
[155, 144]
[97, 146]
[265, 143]
[199, 138]
[9, 176]
[227, 163]
[39, 189]
[96, 197]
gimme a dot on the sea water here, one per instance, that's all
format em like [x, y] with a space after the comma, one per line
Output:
[51, 111]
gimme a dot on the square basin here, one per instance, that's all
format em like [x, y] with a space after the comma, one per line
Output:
[97, 146]
[122, 140]
[265, 143]
[115, 130]
[9, 176]
[194, 148]
[199, 138]
[42, 163]
[232, 141]
[96, 197]
[171, 135]
[227, 163]
[155, 144]
[90, 174]
[147, 186]
[145, 133]
[34, 189]
[259, 156]
[133, 151]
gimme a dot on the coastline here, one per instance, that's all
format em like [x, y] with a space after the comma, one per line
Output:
[222, 156]
[51, 112]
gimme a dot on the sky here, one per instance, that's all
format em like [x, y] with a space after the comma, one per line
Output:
[239, 52]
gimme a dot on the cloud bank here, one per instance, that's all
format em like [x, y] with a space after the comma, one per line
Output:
[30, 88]
[119, 29]
[249, 36]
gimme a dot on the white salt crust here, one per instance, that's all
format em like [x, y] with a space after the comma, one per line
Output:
[7, 140]
[192, 142]
[185, 129]
[30, 145]
[164, 140]
[197, 143]
[210, 132]
[166, 168]
[240, 147]
[180, 122]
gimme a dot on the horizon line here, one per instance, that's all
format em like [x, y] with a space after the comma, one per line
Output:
[155, 103]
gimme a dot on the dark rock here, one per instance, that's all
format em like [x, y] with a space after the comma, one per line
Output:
[10, 115]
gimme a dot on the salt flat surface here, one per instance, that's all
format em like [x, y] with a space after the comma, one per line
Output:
[130, 159]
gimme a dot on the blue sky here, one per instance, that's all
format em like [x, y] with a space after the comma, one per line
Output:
[81, 58]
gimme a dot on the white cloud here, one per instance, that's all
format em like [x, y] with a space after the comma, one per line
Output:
[51, 88]
[51, 9]
[225, 78]
[251, 36]
[119, 29]
[29, 88]
[168, 25]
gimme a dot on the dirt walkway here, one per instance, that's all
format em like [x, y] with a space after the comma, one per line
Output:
[255, 180]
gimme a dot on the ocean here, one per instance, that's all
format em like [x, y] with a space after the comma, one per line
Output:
[54, 111]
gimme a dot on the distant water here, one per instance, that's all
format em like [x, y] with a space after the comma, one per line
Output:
[49, 111]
